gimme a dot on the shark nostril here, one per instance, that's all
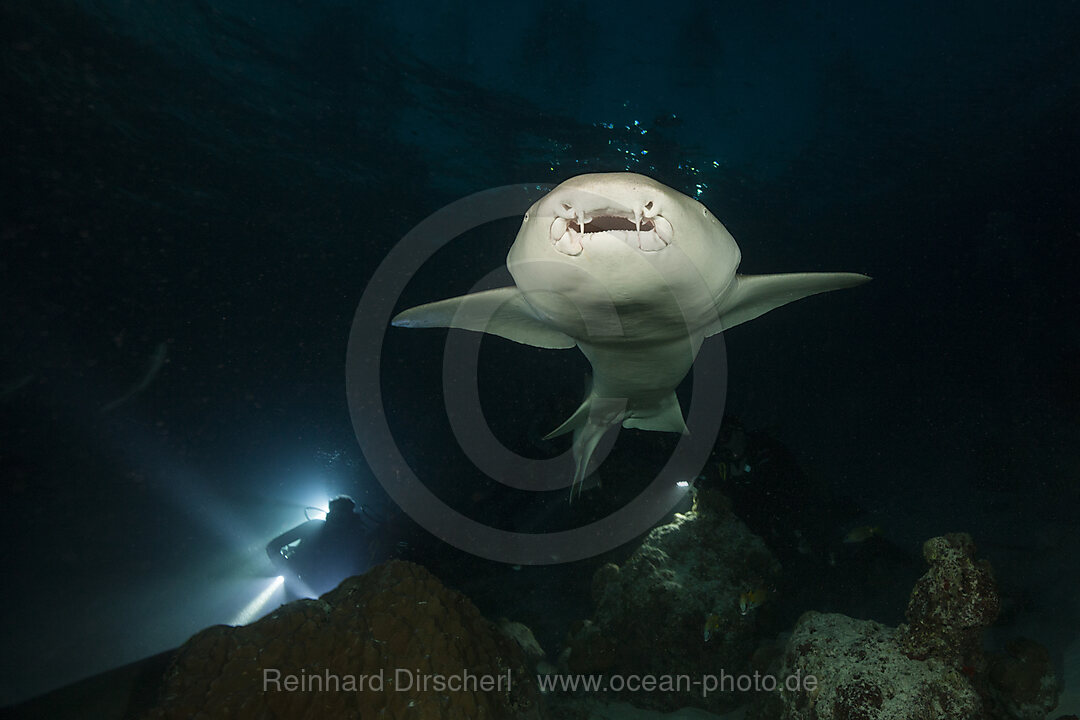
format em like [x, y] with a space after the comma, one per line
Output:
[565, 210]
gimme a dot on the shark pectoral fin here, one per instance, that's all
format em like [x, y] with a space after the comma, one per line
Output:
[755, 295]
[665, 416]
[501, 312]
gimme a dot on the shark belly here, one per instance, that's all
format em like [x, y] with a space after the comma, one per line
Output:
[643, 375]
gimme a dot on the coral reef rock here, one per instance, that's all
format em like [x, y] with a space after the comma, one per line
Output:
[524, 637]
[860, 672]
[932, 669]
[363, 650]
[951, 603]
[651, 612]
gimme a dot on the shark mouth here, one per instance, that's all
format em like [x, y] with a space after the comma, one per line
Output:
[647, 232]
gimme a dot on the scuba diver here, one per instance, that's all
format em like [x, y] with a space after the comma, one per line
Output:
[322, 553]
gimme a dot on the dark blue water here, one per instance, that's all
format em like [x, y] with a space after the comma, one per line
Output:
[195, 195]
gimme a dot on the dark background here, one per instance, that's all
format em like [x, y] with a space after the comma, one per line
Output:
[225, 177]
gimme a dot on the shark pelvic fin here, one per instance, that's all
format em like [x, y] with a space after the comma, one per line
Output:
[572, 423]
[664, 416]
[580, 416]
[503, 312]
[754, 295]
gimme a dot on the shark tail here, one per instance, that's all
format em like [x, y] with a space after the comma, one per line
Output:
[586, 438]
[596, 415]
[593, 418]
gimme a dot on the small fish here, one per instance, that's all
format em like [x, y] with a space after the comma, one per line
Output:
[752, 599]
[712, 626]
[862, 533]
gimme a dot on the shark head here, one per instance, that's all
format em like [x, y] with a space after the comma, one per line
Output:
[620, 254]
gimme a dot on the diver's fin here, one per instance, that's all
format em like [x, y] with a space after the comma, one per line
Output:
[501, 312]
[755, 295]
[665, 416]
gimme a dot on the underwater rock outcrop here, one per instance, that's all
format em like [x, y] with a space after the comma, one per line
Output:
[932, 668]
[397, 624]
[862, 673]
[951, 603]
[651, 612]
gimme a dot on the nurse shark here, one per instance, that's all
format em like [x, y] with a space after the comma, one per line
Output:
[636, 275]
